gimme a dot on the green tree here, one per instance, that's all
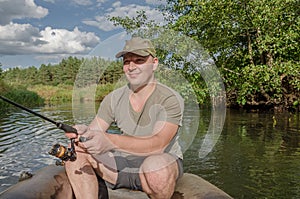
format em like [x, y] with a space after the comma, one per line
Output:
[1, 71]
[255, 45]
[30, 75]
[45, 75]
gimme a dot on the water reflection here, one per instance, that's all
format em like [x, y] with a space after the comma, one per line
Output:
[253, 158]
[256, 156]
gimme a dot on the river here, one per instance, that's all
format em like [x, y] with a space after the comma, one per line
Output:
[256, 156]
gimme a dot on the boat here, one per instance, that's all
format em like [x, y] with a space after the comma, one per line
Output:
[52, 182]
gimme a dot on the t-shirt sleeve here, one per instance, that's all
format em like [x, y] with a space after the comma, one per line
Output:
[105, 110]
[173, 107]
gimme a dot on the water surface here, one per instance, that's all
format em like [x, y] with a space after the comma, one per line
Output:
[256, 156]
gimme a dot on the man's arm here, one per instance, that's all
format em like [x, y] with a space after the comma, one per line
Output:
[101, 142]
[145, 145]
[99, 124]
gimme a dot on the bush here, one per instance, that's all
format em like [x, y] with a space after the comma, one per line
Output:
[23, 97]
[265, 86]
[103, 89]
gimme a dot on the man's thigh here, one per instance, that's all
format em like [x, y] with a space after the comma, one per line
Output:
[131, 167]
[124, 172]
[105, 167]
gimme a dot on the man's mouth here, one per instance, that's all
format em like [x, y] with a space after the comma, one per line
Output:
[133, 75]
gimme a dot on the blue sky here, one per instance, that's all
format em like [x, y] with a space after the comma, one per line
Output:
[35, 32]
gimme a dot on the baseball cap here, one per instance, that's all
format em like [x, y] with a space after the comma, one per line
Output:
[139, 46]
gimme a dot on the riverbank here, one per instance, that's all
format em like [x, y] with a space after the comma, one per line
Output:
[36, 95]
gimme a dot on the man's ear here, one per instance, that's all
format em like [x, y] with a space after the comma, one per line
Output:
[155, 63]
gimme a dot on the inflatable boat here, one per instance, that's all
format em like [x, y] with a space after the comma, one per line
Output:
[52, 182]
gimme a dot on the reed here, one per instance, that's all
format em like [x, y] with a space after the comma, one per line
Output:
[53, 94]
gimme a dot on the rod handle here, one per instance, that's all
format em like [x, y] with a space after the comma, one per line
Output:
[66, 128]
[70, 129]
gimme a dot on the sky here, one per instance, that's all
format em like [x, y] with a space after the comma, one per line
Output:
[35, 32]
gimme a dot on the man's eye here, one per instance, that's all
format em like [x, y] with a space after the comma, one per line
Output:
[126, 62]
[139, 61]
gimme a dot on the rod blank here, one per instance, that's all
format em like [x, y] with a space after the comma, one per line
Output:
[59, 125]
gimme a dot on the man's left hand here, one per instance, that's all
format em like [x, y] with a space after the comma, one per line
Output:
[97, 142]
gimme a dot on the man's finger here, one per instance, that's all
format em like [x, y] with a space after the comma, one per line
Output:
[71, 135]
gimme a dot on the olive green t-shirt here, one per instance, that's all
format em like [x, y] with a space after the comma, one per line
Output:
[164, 104]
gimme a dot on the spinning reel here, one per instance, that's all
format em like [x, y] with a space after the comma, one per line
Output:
[63, 153]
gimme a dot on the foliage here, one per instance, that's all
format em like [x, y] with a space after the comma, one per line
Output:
[54, 83]
[179, 82]
[23, 97]
[98, 71]
[103, 89]
[267, 86]
[132, 24]
[255, 45]
[3, 87]
[62, 73]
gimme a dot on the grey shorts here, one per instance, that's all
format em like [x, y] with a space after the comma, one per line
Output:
[128, 175]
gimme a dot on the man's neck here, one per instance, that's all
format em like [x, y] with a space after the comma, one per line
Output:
[144, 90]
[139, 97]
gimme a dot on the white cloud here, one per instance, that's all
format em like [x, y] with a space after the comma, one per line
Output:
[100, 2]
[156, 2]
[18, 32]
[26, 39]
[102, 22]
[83, 2]
[19, 9]
[64, 41]
[117, 4]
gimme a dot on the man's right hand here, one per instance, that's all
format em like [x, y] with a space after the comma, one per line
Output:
[81, 129]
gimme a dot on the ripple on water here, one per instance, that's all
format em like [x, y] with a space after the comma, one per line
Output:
[24, 144]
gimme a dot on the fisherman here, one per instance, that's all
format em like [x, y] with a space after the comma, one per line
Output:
[146, 155]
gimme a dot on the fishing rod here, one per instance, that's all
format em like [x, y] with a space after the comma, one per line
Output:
[59, 125]
[57, 150]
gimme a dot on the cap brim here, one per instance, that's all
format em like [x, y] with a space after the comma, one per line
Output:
[137, 52]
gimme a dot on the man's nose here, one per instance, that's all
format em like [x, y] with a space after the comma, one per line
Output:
[132, 66]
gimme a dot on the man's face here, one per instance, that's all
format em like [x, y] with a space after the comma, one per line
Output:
[139, 70]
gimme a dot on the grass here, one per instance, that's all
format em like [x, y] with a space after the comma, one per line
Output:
[40, 94]
[64, 93]
[53, 94]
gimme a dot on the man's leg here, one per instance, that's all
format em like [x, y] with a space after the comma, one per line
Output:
[82, 176]
[102, 188]
[158, 176]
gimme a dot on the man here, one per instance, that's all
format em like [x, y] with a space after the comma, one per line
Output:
[146, 156]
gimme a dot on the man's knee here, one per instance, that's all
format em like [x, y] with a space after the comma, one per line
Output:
[159, 174]
[159, 163]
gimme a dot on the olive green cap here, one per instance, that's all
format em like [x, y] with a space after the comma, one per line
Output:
[138, 46]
